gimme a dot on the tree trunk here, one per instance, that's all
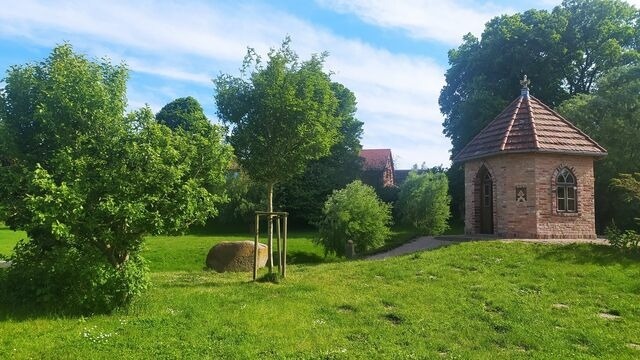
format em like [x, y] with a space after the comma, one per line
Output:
[270, 226]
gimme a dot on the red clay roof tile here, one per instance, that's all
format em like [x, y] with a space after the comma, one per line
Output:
[528, 125]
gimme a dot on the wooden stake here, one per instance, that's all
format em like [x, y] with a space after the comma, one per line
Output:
[279, 249]
[255, 249]
[284, 249]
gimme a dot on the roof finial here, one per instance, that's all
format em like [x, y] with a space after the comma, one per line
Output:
[525, 86]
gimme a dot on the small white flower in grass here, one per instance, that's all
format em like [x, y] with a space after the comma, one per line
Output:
[319, 322]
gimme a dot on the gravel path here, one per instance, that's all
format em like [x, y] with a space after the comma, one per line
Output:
[429, 242]
[419, 244]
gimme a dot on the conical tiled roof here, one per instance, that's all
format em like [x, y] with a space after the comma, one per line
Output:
[528, 125]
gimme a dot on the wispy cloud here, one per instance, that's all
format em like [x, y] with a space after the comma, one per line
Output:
[444, 21]
[194, 41]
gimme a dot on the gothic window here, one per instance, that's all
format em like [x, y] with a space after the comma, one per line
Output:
[566, 191]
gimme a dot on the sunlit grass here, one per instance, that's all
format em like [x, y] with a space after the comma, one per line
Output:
[472, 300]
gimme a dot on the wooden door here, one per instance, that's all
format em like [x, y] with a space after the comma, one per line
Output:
[486, 204]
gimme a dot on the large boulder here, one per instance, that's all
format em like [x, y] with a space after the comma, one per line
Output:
[235, 256]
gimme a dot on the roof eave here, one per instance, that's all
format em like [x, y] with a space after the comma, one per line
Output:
[504, 152]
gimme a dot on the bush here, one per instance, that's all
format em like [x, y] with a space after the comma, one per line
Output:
[71, 281]
[624, 240]
[354, 213]
[424, 202]
[87, 181]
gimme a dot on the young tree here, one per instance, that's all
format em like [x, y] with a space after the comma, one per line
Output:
[87, 182]
[282, 114]
[304, 195]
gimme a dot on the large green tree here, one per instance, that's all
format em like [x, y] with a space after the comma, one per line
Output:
[87, 182]
[611, 115]
[304, 195]
[564, 52]
[282, 114]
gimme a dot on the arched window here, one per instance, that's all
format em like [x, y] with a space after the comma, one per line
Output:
[566, 191]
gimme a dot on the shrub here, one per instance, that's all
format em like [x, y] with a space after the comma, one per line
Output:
[424, 202]
[87, 181]
[70, 280]
[354, 213]
[624, 240]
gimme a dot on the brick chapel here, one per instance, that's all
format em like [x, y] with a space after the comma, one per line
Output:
[529, 174]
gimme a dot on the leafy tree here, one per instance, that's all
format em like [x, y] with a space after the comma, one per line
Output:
[629, 239]
[185, 113]
[630, 183]
[304, 195]
[564, 52]
[354, 213]
[282, 114]
[424, 202]
[87, 182]
[610, 116]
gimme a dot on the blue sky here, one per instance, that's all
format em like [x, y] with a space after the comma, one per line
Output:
[391, 54]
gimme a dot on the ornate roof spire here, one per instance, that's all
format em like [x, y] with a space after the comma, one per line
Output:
[524, 91]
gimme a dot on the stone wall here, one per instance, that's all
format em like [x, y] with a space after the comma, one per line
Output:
[524, 197]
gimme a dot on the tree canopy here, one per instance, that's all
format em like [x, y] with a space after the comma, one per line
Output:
[184, 113]
[564, 52]
[611, 116]
[282, 114]
[87, 181]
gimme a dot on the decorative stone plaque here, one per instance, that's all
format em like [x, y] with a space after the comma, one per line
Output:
[521, 194]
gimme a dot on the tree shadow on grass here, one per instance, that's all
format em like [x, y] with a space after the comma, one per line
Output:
[305, 258]
[23, 311]
[590, 254]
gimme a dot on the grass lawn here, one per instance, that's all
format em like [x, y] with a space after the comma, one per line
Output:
[473, 300]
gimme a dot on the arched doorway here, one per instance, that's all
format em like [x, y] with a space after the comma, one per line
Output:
[485, 212]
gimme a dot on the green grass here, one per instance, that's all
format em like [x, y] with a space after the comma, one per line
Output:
[472, 300]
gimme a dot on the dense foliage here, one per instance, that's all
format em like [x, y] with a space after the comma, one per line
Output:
[87, 182]
[354, 213]
[627, 239]
[184, 113]
[282, 114]
[564, 52]
[424, 202]
[611, 116]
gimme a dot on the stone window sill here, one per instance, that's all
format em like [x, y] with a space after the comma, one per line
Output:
[567, 214]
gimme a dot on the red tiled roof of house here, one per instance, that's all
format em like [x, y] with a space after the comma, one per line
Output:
[528, 125]
[375, 159]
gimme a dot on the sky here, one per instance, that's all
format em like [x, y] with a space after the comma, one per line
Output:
[391, 53]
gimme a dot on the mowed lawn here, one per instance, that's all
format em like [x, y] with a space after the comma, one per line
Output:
[473, 300]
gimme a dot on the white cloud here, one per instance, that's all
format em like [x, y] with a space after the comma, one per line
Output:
[192, 42]
[444, 21]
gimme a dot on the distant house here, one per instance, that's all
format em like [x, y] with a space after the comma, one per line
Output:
[377, 168]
